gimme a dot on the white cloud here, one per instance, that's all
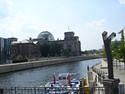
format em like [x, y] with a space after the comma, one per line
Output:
[91, 36]
[98, 25]
[5, 8]
[19, 26]
[122, 1]
[23, 25]
[15, 24]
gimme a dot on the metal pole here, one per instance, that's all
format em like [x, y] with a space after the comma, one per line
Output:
[109, 59]
[107, 44]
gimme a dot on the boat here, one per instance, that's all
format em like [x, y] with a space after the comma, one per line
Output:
[63, 83]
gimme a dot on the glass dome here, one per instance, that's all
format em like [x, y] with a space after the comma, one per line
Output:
[45, 35]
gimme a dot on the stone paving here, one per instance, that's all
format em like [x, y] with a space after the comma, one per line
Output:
[119, 71]
[93, 80]
[101, 72]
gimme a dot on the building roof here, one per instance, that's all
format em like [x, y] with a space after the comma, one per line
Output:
[45, 35]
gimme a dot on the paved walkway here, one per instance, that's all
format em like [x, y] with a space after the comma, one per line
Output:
[100, 71]
[119, 71]
[93, 80]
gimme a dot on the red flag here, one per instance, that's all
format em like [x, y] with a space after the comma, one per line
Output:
[54, 78]
[69, 78]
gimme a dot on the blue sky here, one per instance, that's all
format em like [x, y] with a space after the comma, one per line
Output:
[87, 18]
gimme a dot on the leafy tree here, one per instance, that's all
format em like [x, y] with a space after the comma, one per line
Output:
[50, 49]
[122, 52]
[44, 49]
[67, 52]
[118, 48]
[103, 53]
[20, 58]
[55, 49]
[115, 46]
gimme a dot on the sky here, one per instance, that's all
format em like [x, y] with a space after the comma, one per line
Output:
[86, 18]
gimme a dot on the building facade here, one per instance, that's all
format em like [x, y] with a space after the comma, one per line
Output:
[32, 49]
[28, 50]
[5, 50]
[72, 42]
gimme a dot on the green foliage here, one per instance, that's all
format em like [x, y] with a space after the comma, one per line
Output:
[44, 49]
[90, 52]
[67, 52]
[20, 58]
[103, 54]
[122, 51]
[51, 49]
[55, 49]
[118, 50]
[115, 46]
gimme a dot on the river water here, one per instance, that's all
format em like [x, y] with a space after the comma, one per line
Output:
[39, 76]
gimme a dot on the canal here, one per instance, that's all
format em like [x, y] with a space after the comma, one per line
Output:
[39, 76]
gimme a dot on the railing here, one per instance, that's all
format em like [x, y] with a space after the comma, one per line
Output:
[50, 90]
[39, 90]
[98, 90]
[58, 90]
[122, 89]
[101, 90]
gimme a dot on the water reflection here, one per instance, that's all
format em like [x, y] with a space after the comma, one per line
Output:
[37, 76]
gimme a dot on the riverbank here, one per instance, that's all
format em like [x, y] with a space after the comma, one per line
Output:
[102, 70]
[45, 62]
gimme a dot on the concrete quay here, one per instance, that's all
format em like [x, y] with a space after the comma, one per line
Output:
[42, 62]
[119, 70]
[100, 76]
[95, 81]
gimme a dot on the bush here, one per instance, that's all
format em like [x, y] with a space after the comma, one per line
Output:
[20, 58]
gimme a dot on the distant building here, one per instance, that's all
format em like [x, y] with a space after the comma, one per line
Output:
[26, 49]
[5, 50]
[72, 42]
[13, 39]
[31, 48]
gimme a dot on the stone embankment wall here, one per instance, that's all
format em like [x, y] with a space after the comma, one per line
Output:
[34, 64]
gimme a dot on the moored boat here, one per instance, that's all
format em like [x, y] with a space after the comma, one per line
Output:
[63, 83]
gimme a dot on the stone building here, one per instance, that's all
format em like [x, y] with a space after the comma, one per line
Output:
[72, 42]
[26, 49]
[31, 48]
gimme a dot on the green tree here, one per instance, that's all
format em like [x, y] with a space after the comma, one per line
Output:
[44, 49]
[118, 49]
[103, 53]
[55, 49]
[115, 46]
[51, 49]
[67, 52]
[20, 58]
[122, 53]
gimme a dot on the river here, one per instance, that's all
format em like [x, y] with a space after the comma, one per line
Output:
[39, 76]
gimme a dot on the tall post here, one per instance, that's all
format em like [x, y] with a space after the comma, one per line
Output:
[107, 44]
[1, 91]
[110, 84]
